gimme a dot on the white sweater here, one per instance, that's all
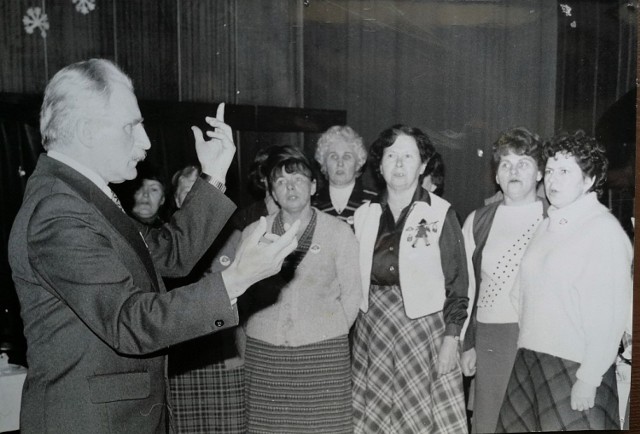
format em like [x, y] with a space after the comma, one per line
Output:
[511, 230]
[574, 287]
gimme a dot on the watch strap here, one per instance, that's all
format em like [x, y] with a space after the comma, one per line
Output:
[215, 182]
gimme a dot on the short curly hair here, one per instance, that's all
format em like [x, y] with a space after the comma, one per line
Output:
[388, 137]
[589, 155]
[337, 134]
[519, 141]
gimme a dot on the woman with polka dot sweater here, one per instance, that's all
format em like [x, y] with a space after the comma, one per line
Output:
[495, 239]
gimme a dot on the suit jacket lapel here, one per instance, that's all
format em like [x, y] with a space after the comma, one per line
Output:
[112, 213]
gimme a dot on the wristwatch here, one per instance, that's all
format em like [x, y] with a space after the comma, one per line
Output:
[215, 182]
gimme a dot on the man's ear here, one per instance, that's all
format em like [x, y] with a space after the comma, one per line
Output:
[313, 187]
[86, 131]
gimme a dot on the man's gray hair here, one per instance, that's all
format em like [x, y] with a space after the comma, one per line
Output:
[73, 89]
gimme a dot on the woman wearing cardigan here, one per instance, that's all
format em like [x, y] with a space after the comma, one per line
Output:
[495, 237]
[406, 370]
[573, 295]
[297, 362]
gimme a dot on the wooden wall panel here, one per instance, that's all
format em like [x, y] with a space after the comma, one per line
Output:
[22, 55]
[596, 61]
[147, 46]
[74, 36]
[269, 67]
[326, 83]
[461, 71]
[269, 52]
[207, 50]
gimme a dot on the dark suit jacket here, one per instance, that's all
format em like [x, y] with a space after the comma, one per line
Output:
[96, 314]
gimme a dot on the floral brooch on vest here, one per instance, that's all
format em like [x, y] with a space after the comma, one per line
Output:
[421, 233]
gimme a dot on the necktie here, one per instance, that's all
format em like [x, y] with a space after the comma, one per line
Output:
[115, 200]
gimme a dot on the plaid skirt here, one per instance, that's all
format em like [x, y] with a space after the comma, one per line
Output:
[538, 397]
[396, 388]
[209, 399]
[304, 389]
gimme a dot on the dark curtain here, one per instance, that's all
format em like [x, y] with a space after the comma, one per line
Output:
[596, 91]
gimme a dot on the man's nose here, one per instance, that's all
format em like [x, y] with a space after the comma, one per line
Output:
[141, 138]
[399, 162]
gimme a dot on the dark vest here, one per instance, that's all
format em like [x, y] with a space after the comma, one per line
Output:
[482, 222]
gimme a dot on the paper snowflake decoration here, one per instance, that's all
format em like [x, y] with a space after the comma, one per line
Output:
[566, 9]
[84, 6]
[36, 19]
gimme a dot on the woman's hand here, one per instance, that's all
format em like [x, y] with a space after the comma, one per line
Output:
[583, 396]
[448, 355]
[468, 362]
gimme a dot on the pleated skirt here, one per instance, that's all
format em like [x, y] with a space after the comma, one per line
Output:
[305, 389]
[538, 397]
[396, 386]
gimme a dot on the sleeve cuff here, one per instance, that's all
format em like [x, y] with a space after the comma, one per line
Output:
[452, 330]
[217, 183]
[590, 378]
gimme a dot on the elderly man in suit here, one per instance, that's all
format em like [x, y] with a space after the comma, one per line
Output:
[96, 314]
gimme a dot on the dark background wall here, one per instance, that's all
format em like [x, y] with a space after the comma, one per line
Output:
[461, 70]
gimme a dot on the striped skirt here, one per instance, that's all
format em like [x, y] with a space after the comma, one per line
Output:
[209, 399]
[305, 389]
[396, 388]
[538, 397]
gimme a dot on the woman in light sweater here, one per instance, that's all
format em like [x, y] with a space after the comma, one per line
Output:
[406, 369]
[573, 295]
[297, 360]
[495, 237]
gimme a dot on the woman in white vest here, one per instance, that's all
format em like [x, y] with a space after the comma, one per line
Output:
[573, 295]
[406, 370]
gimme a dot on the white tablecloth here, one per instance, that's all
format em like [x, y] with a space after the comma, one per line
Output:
[11, 380]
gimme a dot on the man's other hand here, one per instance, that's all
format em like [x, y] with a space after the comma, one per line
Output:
[256, 259]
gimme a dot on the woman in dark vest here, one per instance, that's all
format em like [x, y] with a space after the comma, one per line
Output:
[341, 156]
[495, 238]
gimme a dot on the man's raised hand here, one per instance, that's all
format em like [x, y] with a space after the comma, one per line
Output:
[215, 155]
